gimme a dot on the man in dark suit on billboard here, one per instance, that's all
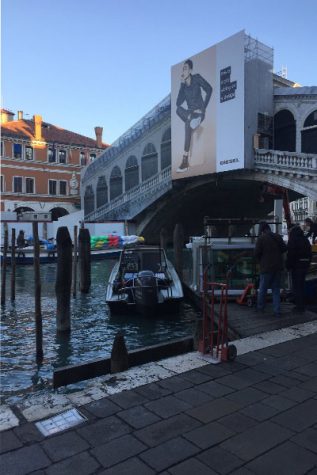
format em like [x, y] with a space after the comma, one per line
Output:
[191, 89]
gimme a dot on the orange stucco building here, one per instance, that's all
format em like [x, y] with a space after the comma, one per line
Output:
[41, 165]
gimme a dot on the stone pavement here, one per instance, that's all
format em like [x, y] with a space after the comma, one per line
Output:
[256, 415]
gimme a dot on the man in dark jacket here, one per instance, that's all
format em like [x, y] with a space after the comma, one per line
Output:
[269, 251]
[312, 229]
[299, 256]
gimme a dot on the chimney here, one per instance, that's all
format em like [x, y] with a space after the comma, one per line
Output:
[37, 127]
[98, 132]
[20, 115]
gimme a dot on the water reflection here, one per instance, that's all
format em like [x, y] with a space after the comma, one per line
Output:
[92, 329]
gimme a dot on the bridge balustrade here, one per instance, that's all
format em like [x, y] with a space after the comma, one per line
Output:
[289, 162]
[154, 186]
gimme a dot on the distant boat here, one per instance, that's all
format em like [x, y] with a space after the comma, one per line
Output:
[102, 247]
[25, 255]
[145, 280]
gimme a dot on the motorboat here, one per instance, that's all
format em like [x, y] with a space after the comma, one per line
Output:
[145, 280]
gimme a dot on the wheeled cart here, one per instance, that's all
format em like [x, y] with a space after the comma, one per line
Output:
[214, 336]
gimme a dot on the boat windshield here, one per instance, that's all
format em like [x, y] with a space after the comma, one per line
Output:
[138, 260]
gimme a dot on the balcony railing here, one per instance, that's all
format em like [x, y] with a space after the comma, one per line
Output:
[292, 162]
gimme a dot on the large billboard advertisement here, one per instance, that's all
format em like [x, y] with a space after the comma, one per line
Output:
[207, 107]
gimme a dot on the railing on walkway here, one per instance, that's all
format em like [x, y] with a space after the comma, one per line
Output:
[156, 185]
[292, 162]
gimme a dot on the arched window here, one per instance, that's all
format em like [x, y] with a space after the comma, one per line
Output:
[309, 134]
[149, 162]
[115, 183]
[89, 200]
[58, 212]
[131, 173]
[284, 131]
[166, 149]
[102, 191]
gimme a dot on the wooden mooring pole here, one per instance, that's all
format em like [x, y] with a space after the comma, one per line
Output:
[63, 279]
[37, 294]
[13, 265]
[4, 265]
[84, 260]
[75, 262]
[163, 238]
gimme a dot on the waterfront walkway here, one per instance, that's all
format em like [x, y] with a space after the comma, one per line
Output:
[256, 415]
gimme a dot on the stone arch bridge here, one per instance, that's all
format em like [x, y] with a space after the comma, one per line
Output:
[132, 181]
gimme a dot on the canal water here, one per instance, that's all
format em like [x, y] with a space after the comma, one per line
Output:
[92, 334]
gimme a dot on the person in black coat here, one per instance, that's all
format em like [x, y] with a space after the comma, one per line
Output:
[312, 229]
[299, 256]
[268, 252]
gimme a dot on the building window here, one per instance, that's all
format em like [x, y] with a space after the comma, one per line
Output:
[52, 187]
[28, 153]
[17, 184]
[92, 157]
[2, 184]
[63, 187]
[62, 156]
[17, 150]
[2, 149]
[82, 159]
[29, 185]
[51, 155]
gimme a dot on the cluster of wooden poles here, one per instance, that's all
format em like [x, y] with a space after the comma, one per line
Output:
[68, 254]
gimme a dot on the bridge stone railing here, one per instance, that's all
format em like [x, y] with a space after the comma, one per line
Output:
[286, 162]
[132, 202]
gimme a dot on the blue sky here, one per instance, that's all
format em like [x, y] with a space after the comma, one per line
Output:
[82, 63]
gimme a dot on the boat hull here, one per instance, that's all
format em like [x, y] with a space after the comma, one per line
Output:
[151, 291]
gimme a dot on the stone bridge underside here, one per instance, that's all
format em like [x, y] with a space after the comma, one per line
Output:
[222, 196]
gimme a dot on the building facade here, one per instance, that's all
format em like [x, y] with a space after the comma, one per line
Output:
[41, 165]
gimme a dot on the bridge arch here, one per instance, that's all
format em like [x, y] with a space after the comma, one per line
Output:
[89, 200]
[115, 183]
[101, 192]
[131, 173]
[309, 133]
[58, 212]
[166, 149]
[214, 196]
[149, 162]
[284, 131]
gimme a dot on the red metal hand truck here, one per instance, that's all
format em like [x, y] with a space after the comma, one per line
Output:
[214, 338]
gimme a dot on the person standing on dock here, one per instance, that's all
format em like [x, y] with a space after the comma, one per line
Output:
[299, 256]
[269, 251]
[311, 229]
